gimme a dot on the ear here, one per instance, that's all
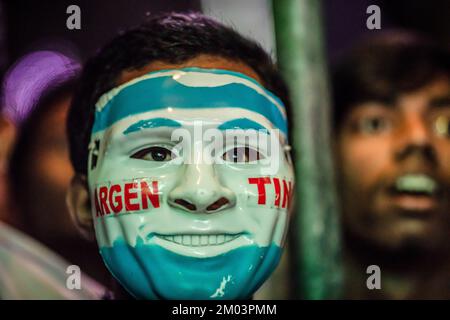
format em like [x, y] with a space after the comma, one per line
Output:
[79, 204]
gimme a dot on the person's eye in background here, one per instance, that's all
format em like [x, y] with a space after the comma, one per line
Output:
[374, 124]
[441, 126]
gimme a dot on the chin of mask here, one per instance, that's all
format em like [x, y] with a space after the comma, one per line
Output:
[191, 181]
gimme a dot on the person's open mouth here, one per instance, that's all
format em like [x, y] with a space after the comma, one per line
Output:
[415, 192]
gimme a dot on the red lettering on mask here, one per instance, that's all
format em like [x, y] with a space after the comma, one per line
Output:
[126, 197]
[276, 185]
[103, 193]
[116, 203]
[285, 193]
[260, 182]
[130, 196]
[147, 194]
[98, 210]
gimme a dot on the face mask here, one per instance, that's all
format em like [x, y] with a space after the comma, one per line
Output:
[190, 183]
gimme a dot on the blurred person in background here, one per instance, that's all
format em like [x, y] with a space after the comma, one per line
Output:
[7, 135]
[392, 140]
[37, 92]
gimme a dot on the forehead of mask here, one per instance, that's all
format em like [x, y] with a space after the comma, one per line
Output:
[189, 89]
[144, 113]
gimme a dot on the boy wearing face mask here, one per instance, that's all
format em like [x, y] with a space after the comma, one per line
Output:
[179, 139]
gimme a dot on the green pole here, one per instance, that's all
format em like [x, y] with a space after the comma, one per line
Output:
[301, 57]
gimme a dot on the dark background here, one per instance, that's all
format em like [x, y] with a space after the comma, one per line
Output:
[41, 24]
[26, 25]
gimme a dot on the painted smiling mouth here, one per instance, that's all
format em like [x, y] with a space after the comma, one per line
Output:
[196, 240]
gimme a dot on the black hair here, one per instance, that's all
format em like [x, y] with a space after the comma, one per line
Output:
[383, 67]
[172, 38]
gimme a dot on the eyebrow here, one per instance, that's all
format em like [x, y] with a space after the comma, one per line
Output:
[440, 101]
[241, 123]
[151, 124]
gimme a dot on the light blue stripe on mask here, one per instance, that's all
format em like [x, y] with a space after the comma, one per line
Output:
[152, 272]
[152, 123]
[163, 92]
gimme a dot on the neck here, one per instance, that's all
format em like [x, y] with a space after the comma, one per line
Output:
[409, 272]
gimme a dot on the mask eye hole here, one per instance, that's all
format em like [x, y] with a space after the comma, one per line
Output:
[159, 154]
[242, 154]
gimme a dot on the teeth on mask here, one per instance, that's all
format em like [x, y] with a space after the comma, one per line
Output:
[204, 240]
[195, 240]
[220, 238]
[416, 183]
[178, 239]
[212, 239]
[187, 240]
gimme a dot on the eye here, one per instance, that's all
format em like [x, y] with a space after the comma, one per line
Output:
[154, 154]
[242, 154]
[374, 124]
[442, 126]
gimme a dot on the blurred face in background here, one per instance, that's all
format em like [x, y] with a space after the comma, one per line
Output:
[394, 167]
[7, 134]
[46, 175]
[40, 176]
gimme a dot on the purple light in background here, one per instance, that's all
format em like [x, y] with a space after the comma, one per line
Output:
[30, 77]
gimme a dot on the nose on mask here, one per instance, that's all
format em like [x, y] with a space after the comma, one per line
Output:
[200, 191]
[197, 236]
